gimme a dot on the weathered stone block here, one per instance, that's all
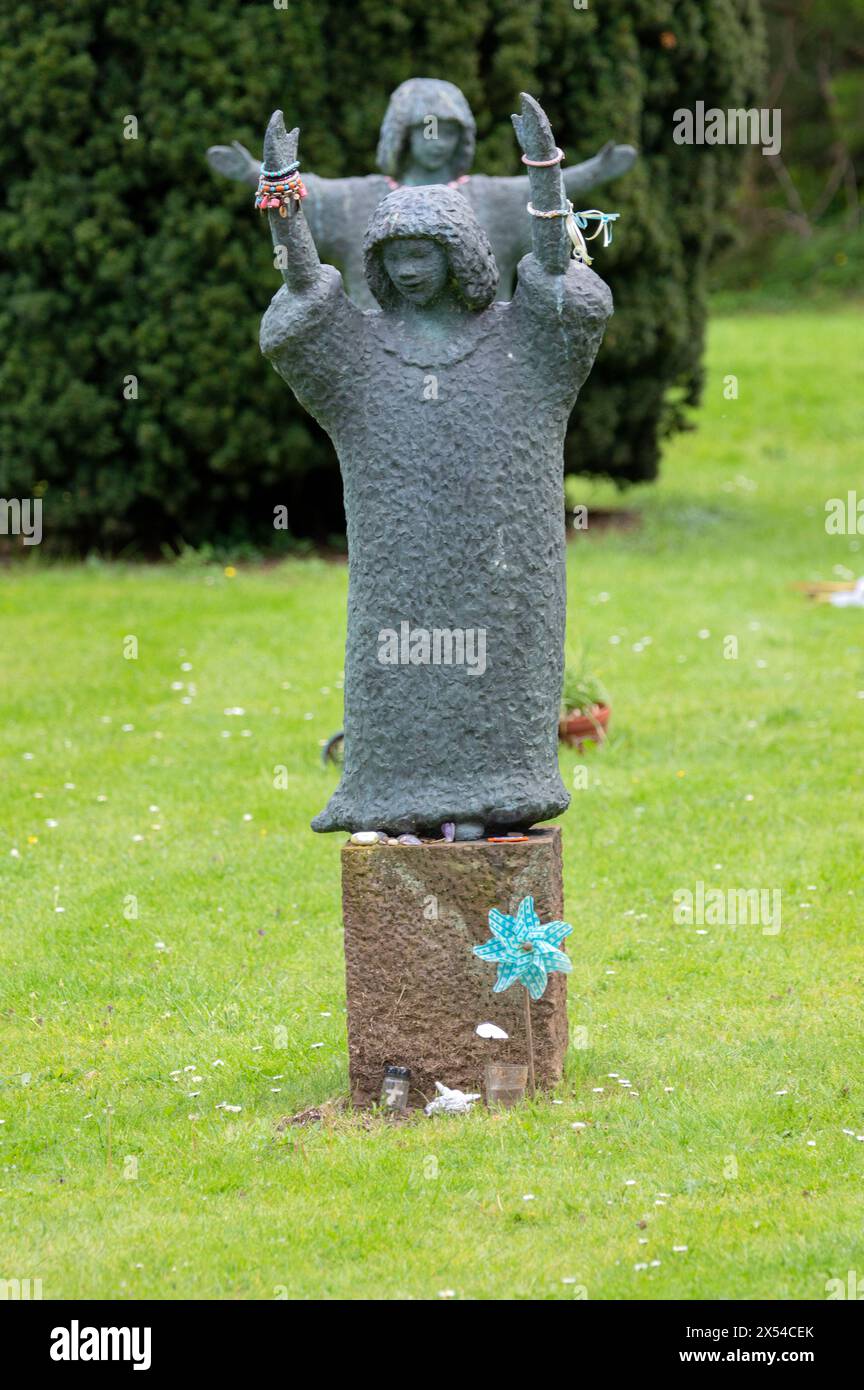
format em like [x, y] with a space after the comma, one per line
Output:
[416, 992]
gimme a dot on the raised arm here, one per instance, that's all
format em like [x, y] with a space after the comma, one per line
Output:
[611, 161]
[298, 261]
[234, 162]
[549, 240]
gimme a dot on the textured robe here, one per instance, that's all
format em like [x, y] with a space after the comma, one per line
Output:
[455, 508]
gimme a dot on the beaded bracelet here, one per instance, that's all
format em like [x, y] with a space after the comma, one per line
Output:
[277, 187]
[576, 222]
[552, 212]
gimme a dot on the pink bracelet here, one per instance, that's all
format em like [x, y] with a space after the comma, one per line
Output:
[544, 163]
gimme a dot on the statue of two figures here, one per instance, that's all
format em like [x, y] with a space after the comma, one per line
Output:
[447, 408]
[427, 136]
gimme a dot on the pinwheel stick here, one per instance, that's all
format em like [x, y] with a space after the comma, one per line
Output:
[530, 1036]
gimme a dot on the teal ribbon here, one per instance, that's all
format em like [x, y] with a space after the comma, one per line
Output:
[578, 221]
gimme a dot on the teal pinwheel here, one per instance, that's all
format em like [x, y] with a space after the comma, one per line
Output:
[524, 949]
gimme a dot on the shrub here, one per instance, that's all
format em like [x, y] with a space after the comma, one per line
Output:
[126, 258]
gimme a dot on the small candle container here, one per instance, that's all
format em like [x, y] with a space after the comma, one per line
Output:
[505, 1083]
[394, 1092]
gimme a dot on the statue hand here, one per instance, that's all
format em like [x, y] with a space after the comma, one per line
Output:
[301, 268]
[549, 239]
[233, 162]
[280, 145]
[609, 162]
[615, 159]
[280, 149]
[533, 130]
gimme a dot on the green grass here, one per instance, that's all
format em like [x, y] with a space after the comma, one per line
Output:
[741, 773]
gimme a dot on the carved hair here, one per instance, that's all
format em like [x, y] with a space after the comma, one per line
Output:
[442, 215]
[410, 105]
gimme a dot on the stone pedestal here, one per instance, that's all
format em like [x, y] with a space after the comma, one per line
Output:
[416, 992]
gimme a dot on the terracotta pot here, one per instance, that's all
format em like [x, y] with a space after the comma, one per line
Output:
[577, 729]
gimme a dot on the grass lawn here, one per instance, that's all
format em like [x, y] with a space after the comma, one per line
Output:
[122, 793]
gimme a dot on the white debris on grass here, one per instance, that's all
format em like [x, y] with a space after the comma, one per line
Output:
[451, 1102]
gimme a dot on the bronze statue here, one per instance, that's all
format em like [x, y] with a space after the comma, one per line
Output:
[448, 412]
[427, 137]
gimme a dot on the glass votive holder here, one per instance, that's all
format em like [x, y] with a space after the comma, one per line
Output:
[397, 1084]
[505, 1083]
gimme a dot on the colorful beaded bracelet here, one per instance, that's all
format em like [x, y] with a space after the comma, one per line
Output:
[277, 187]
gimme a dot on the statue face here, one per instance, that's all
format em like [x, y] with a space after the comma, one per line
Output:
[417, 266]
[433, 143]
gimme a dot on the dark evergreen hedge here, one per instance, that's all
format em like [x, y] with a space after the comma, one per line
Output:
[127, 257]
